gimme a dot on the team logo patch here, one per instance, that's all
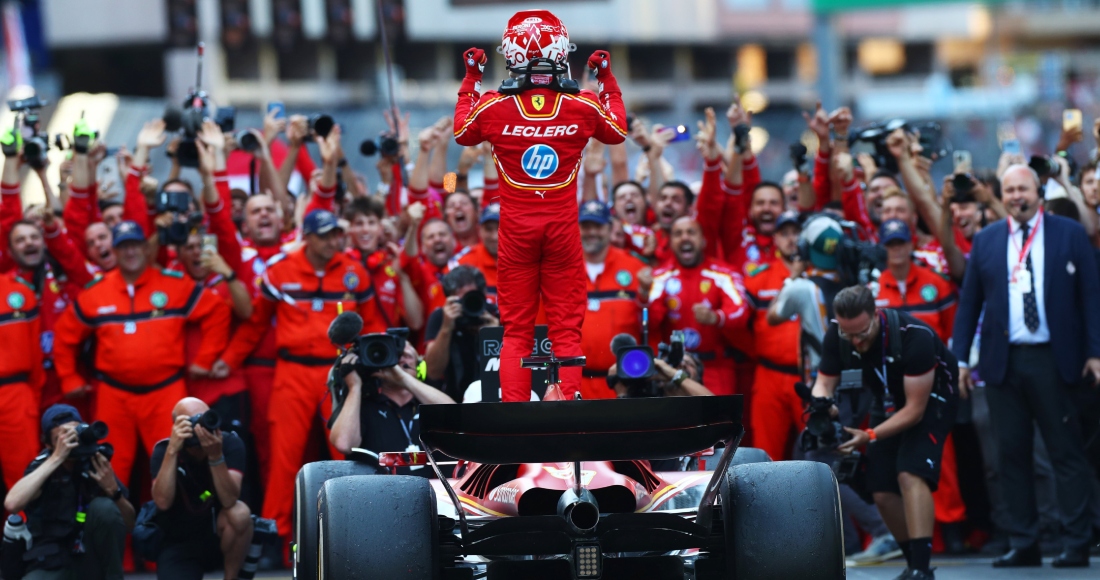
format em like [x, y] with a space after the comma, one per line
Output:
[540, 80]
[672, 286]
[16, 300]
[928, 293]
[673, 303]
[624, 278]
[538, 101]
[390, 272]
[158, 299]
[540, 161]
[692, 339]
[54, 287]
[753, 253]
[704, 286]
[258, 266]
[351, 281]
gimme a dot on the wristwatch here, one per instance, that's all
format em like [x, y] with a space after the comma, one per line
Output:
[117, 495]
[231, 277]
[679, 378]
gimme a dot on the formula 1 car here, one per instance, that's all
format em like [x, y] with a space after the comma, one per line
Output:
[563, 489]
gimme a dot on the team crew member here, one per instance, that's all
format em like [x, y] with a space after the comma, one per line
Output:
[459, 211]
[21, 375]
[911, 287]
[775, 417]
[197, 487]
[262, 221]
[483, 255]
[303, 291]
[897, 206]
[617, 282]
[756, 224]
[538, 134]
[915, 383]
[437, 245]
[703, 298]
[137, 309]
[393, 291]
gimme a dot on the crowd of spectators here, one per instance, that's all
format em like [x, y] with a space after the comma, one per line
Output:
[129, 311]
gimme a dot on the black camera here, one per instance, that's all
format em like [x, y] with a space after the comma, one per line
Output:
[798, 158]
[35, 143]
[188, 119]
[381, 350]
[636, 370]
[178, 203]
[209, 420]
[931, 140]
[473, 308]
[321, 124]
[964, 184]
[89, 439]
[740, 138]
[1048, 167]
[876, 135]
[822, 430]
[248, 141]
[386, 145]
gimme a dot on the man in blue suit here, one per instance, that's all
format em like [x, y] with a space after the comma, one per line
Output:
[1035, 276]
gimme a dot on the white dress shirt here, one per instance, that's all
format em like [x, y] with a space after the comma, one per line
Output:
[1017, 329]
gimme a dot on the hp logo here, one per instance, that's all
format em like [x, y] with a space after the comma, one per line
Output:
[540, 161]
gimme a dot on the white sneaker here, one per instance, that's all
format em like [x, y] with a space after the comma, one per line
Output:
[881, 549]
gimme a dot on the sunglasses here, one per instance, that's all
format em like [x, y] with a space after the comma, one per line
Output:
[864, 335]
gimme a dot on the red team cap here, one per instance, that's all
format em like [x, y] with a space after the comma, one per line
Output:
[535, 34]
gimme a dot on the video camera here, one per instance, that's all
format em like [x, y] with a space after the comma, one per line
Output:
[35, 142]
[857, 261]
[89, 437]
[825, 433]
[178, 203]
[876, 134]
[634, 364]
[376, 351]
[188, 120]
[209, 420]
[799, 161]
[1048, 167]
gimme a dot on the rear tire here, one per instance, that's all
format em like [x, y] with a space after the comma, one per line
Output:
[746, 455]
[306, 487]
[378, 527]
[782, 521]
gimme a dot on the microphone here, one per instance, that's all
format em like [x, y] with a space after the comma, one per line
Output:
[1024, 207]
[344, 328]
[622, 340]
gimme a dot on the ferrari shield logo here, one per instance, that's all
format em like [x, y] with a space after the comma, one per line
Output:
[538, 101]
[704, 286]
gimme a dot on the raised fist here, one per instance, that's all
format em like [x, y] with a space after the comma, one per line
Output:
[600, 62]
[474, 58]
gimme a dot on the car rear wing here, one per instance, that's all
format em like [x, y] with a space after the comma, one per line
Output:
[581, 430]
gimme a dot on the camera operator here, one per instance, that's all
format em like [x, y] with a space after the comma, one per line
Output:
[77, 510]
[915, 381]
[683, 380]
[452, 334]
[384, 416]
[197, 487]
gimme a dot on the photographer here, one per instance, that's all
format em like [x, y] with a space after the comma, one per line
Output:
[452, 334]
[385, 417]
[197, 487]
[914, 379]
[77, 510]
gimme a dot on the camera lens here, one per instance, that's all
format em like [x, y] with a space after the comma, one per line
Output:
[636, 364]
[210, 420]
[248, 141]
[473, 303]
[377, 353]
[321, 124]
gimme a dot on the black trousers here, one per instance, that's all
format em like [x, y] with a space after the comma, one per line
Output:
[1032, 394]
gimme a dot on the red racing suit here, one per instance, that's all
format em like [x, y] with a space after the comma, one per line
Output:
[537, 138]
[676, 290]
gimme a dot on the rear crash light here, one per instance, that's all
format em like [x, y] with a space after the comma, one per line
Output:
[588, 560]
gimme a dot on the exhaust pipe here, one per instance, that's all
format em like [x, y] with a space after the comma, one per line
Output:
[580, 510]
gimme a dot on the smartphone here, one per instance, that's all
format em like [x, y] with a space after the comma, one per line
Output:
[962, 161]
[210, 242]
[682, 133]
[1011, 146]
[278, 107]
[1071, 120]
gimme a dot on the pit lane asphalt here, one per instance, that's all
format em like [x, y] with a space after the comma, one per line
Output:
[946, 569]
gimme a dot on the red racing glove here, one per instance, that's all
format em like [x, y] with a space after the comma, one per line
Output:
[600, 63]
[474, 59]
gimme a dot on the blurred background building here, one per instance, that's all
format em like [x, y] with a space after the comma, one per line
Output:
[983, 69]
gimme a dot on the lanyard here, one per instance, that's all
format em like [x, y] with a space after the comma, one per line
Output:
[1023, 252]
[406, 428]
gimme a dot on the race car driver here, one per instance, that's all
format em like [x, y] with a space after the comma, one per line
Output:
[538, 125]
